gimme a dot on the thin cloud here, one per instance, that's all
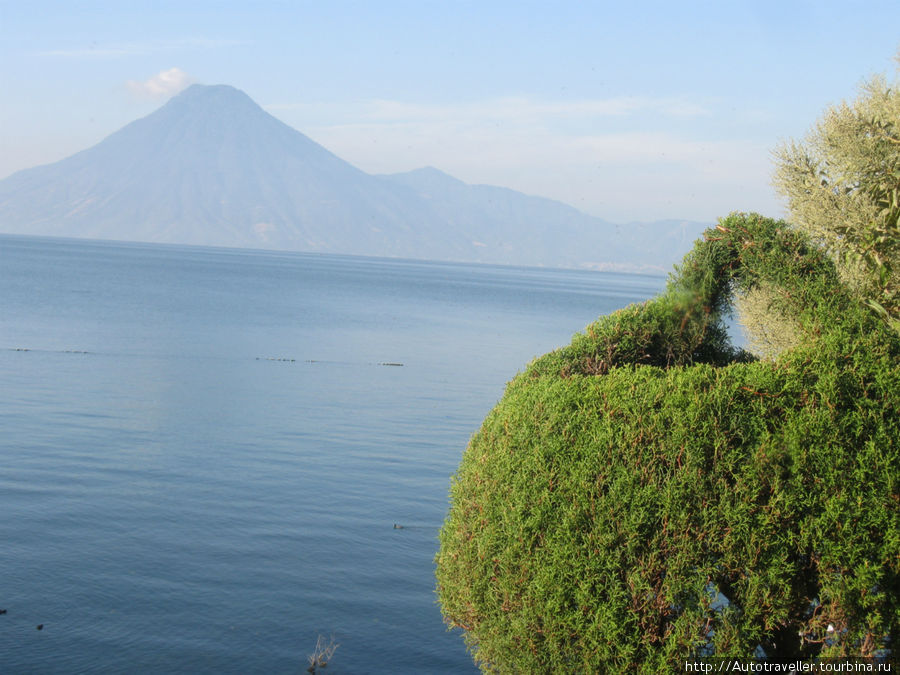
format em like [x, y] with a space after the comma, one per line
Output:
[524, 108]
[141, 48]
[111, 51]
[385, 135]
[603, 156]
[505, 109]
[162, 85]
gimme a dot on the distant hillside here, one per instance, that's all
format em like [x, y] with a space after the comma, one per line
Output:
[213, 168]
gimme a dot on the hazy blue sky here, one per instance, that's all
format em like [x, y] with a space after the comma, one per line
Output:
[626, 110]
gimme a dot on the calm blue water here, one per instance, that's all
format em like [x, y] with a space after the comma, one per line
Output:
[201, 459]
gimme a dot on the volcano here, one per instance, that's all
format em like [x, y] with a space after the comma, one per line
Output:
[211, 167]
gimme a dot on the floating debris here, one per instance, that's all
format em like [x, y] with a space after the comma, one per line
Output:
[40, 626]
[53, 351]
[322, 655]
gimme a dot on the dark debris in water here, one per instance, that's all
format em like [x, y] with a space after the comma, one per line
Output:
[57, 351]
[395, 364]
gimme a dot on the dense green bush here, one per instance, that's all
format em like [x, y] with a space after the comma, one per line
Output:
[649, 494]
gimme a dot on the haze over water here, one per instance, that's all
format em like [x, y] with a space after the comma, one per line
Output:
[204, 456]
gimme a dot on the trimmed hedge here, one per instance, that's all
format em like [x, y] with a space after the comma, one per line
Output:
[649, 494]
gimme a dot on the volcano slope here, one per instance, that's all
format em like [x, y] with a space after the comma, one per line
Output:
[648, 494]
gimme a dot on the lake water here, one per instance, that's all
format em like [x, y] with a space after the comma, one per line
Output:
[203, 457]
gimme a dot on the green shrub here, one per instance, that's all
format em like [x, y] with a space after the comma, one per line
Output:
[649, 494]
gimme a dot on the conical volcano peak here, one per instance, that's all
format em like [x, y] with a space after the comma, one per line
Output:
[215, 96]
[211, 118]
[201, 92]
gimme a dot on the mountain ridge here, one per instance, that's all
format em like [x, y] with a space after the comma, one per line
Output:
[211, 167]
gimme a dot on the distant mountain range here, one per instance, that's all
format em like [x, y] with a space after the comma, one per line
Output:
[211, 167]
